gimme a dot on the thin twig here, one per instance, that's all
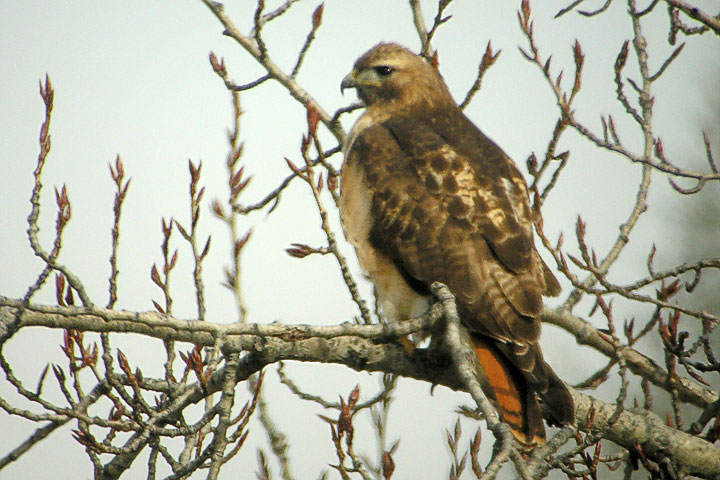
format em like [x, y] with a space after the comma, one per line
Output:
[465, 363]
[249, 43]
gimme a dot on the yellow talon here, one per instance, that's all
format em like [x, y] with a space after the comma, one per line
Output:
[407, 345]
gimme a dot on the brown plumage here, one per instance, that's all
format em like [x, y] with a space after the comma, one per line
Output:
[426, 197]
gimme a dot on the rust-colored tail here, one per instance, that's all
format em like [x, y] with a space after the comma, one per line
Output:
[515, 402]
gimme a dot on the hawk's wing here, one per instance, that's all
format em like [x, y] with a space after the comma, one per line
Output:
[448, 205]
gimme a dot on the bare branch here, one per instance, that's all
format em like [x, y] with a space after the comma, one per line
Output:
[355, 346]
[487, 61]
[695, 13]
[270, 16]
[251, 45]
[466, 363]
[316, 20]
[274, 196]
[117, 175]
[419, 21]
[48, 95]
[638, 363]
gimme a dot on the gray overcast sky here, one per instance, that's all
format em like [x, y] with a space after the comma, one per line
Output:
[132, 78]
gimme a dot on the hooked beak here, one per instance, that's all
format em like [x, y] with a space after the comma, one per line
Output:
[348, 82]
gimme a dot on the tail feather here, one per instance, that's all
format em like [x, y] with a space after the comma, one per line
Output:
[542, 380]
[514, 392]
[561, 408]
[516, 404]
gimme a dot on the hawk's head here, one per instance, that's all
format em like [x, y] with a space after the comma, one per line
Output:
[392, 76]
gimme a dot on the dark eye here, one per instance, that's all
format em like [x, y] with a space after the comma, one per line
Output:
[383, 70]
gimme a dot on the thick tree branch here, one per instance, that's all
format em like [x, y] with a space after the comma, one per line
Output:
[636, 427]
[638, 363]
[359, 347]
[200, 333]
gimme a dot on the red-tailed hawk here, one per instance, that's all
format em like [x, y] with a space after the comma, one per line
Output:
[426, 197]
